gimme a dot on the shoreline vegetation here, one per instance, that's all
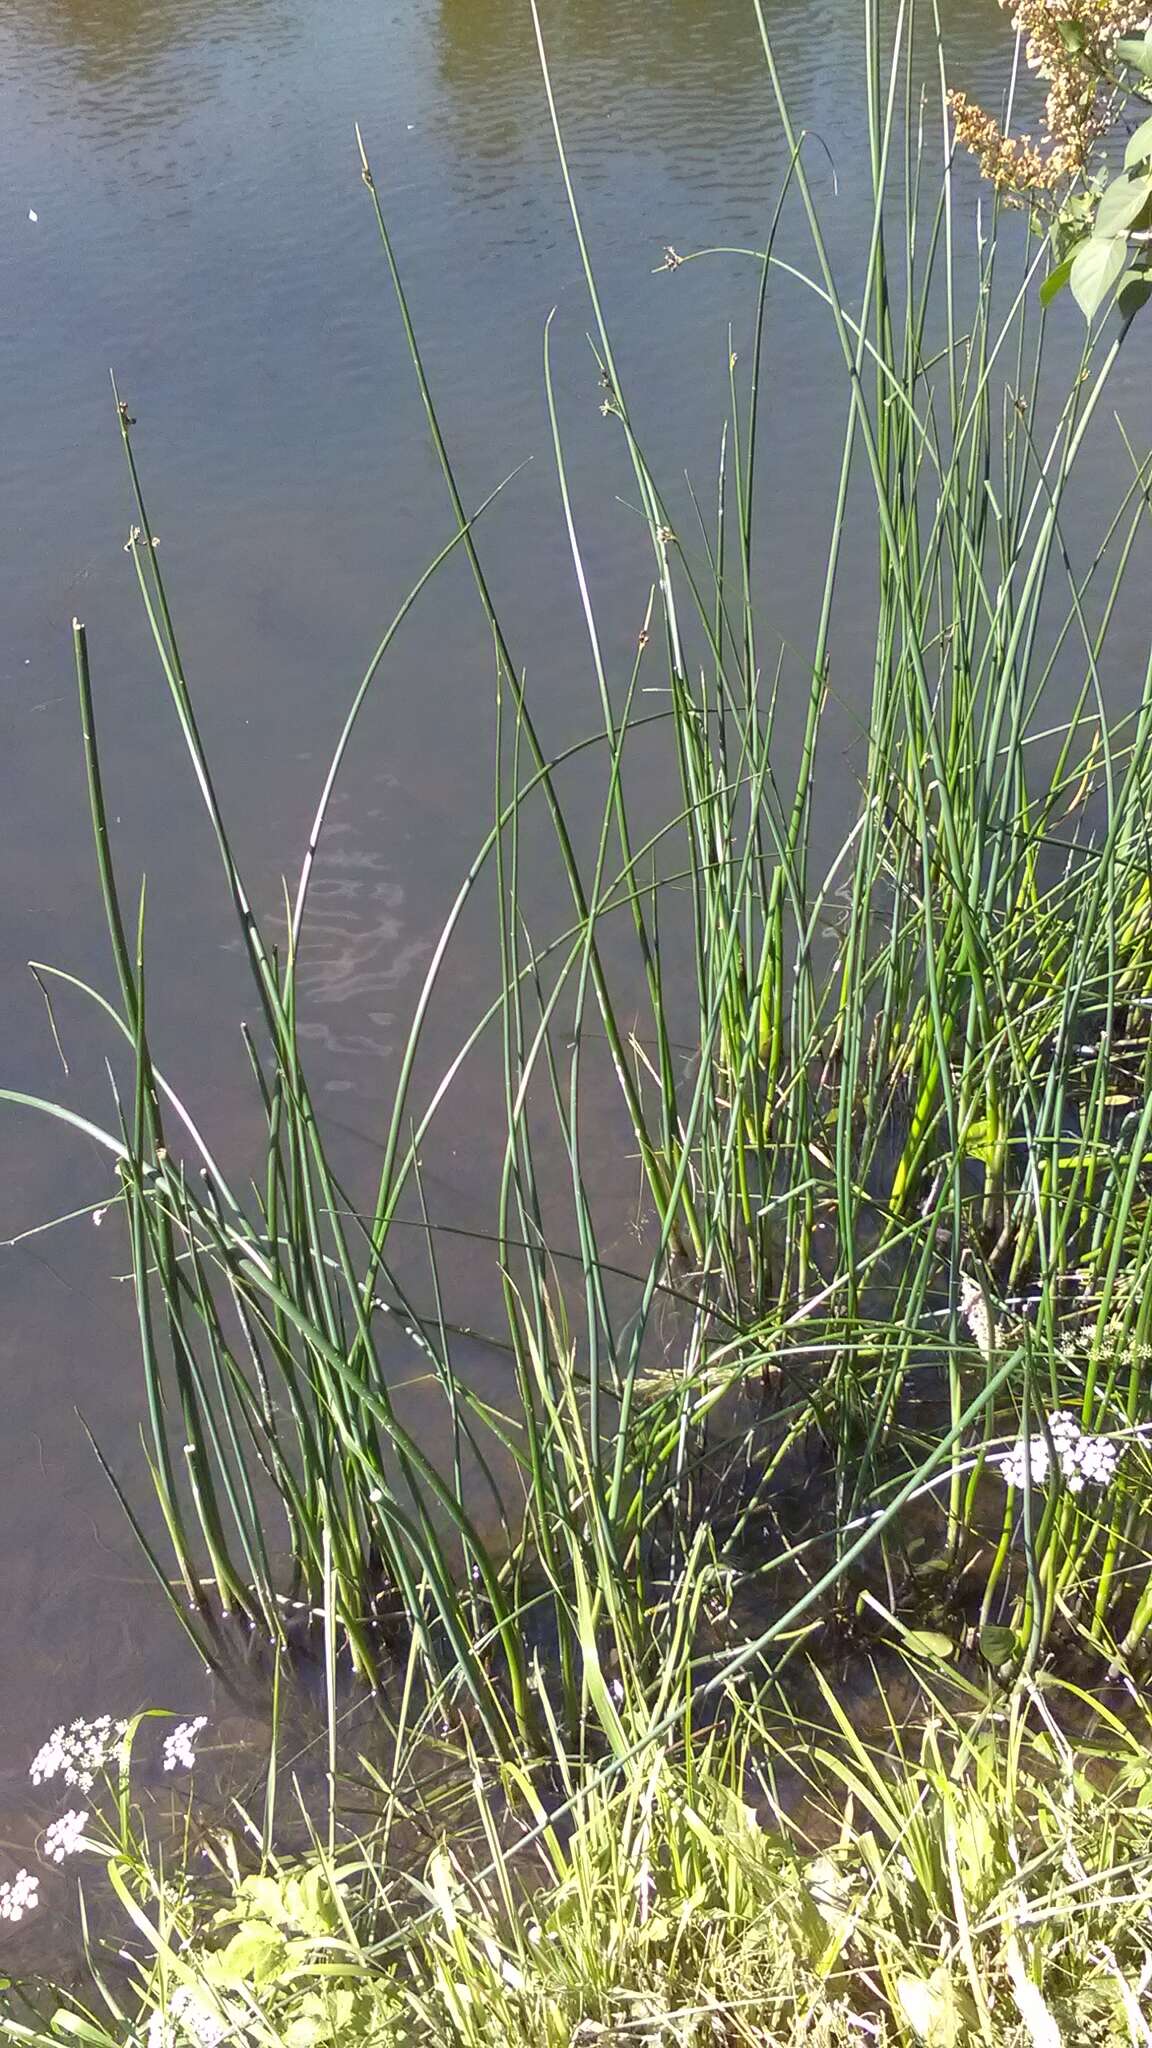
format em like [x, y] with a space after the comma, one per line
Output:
[877, 1400]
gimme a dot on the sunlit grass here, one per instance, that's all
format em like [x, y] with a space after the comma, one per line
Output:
[902, 1868]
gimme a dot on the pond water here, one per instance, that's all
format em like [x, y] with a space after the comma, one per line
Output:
[181, 202]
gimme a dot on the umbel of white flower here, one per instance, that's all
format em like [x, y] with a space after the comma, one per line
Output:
[186, 2020]
[77, 1753]
[1079, 1460]
[180, 1746]
[20, 1896]
[66, 1835]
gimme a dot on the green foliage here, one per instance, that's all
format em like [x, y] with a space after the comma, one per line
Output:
[1137, 51]
[1138, 148]
[1107, 214]
[1124, 207]
[964, 1873]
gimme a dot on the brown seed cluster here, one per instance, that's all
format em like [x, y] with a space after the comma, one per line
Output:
[1014, 163]
[1070, 44]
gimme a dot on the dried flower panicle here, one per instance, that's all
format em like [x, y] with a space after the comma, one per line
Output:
[975, 1313]
[1070, 45]
[1013, 163]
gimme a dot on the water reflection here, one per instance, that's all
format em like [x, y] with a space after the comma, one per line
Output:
[672, 104]
[608, 62]
[108, 72]
[703, 61]
[107, 39]
[355, 948]
[673, 43]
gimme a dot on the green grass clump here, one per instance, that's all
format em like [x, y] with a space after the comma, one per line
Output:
[953, 1880]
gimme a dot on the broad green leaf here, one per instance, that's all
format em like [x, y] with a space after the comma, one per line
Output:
[1054, 283]
[1122, 204]
[264, 1896]
[928, 1643]
[980, 1142]
[65, 2022]
[1095, 269]
[930, 2008]
[1139, 145]
[998, 1644]
[1132, 292]
[251, 1957]
[309, 1902]
[1072, 36]
[1077, 212]
[1137, 51]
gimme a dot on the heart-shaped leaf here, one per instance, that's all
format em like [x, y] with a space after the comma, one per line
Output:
[1137, 51]
[998, 1644]
[1132, 292]
[1122, 204]
[1139, 145]
[1095, 269]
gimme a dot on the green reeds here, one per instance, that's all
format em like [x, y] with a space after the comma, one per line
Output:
[930, 1064]
[901, 1182]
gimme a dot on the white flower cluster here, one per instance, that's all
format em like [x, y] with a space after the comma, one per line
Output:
[77, 1753]
[20, 1896]
[66, 1835]
[186, 2019]
[180, 1746]
[1080, 1460]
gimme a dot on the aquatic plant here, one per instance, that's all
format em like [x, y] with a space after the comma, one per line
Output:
[899, 1189]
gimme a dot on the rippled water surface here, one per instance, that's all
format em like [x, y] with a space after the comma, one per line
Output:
[201, 228]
